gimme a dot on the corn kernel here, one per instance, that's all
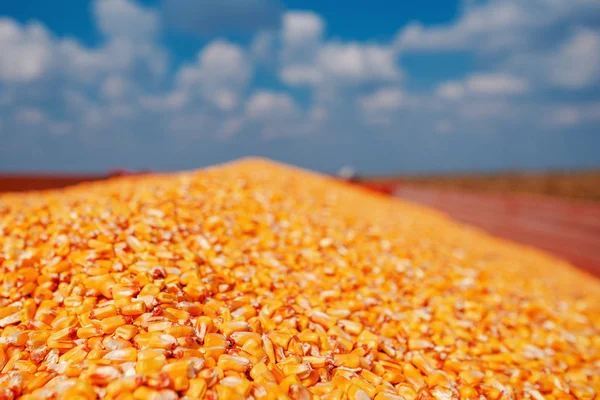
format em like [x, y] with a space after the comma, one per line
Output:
[256, 280]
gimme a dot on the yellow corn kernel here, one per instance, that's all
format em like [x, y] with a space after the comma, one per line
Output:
[152, 354]
[89, 331]
[261, 374]
[119, 386]
[127, 354]
[346, 360]
[110, 324]
[162, 341]
[149, 367]
[260, 281]
[197, 388]
[180, 331]
[233, 363]
[240, 385]
[75, 355]
[104, 312]
[102, 284]
[227, 328]
[134, 308]
[215, 339]
[126, 332]
[124, 291]
[289, 381]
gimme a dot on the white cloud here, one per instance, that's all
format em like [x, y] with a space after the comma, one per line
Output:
[571, 115]
[576, 63]
[126, 19]
[443, 127]
[94, 117]
[358, 63]
[60, 128]
[566, 116]
[123, 84]
[75, 101]
[268, 105]
[35, 53]
[223, 60]
[115, 87]
[212, 18]
[300, 27]
[172, 101]
[451, 90]
[26, 51]
[497, 25]
[496, 83]
[478, 110]
[344, 64]
[222, 71]
[309, 59]
[30, 116]
[130, 30]
[318, 114]
[379, 107]
[118, 55]
[262, 47]
[386, 99]
[555, 44]
[486, 26]
[296, 75]
[86, 64]
[121, 110]
[230, 127]
[483, 84]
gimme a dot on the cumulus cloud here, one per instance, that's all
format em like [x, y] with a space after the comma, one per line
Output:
[126, 19]
[443, 127]
[35, 53]
[572, 115]
[386, 99]
[576, 64]
[114, 87]
[380, 106]
[262, 47]
[554, 43]
[482, 110]
[309, 59]
[29, 47]
[268, 105]
[217, 17]
[484, 84]
[220, 74]
[527, 53]
[174, 100]
[301, 27]
[452, 90]
[498, 25]
[357, 63]
[275, 114]
[30, 116]
[488, 26]
[60, 128]
[496, 83]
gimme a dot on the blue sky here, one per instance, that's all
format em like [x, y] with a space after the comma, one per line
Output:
[392, 87]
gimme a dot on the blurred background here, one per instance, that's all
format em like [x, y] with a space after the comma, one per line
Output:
[423, 100]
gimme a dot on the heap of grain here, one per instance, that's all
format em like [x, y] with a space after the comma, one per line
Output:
[255, 280]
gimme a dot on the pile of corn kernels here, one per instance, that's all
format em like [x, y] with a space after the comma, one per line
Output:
[255, 280]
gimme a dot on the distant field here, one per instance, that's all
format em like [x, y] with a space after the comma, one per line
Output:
[22, 182]
[582, 185]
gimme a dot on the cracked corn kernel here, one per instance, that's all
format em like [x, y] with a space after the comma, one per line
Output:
[258, 280]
